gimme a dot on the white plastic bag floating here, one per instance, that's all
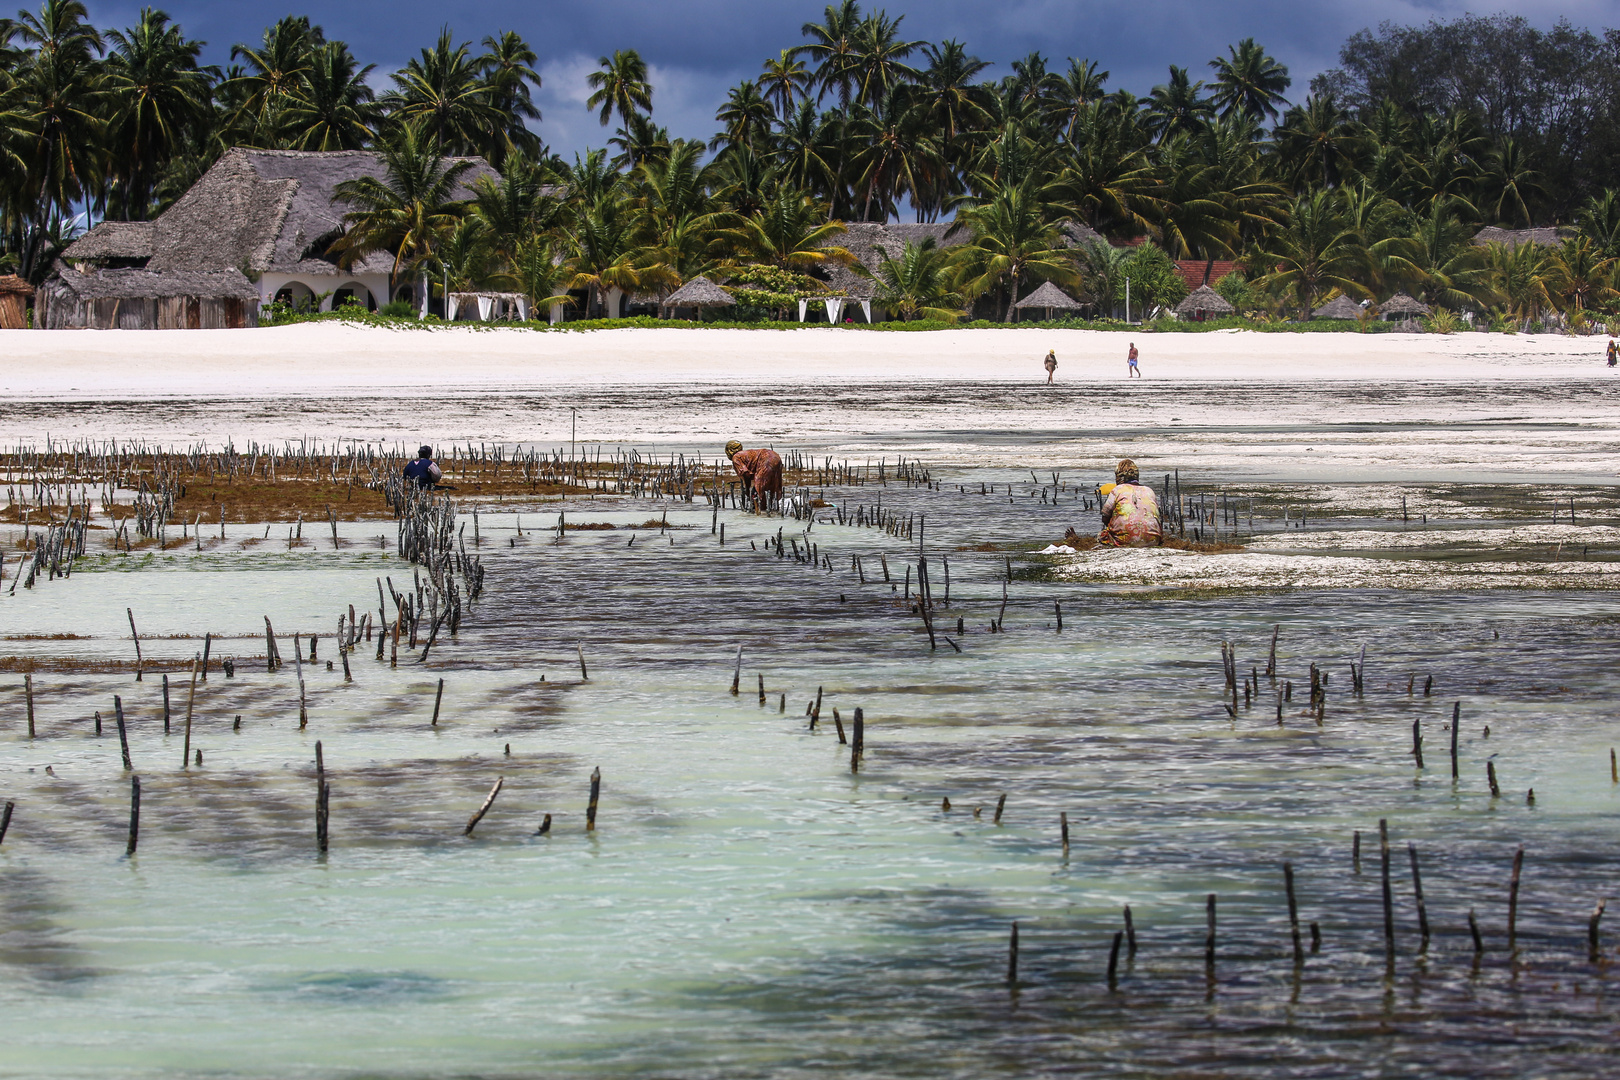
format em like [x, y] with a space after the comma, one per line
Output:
[792, 504]
[1057, 549]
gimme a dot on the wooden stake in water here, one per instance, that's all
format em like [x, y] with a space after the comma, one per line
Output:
[1113, 960]
[762, 692]
[1063, 825]
[1473, 928]
[1593, 952]
[1389, 899]
[123, 736]
[28, 693]
[1355, 852]
[1012, 957]
[136, 637]
[1417, 742]
[5, 823]
[1130, 934]
[736, 673]
[489, 800]
[596, 792]
[1456, 717]
[1209, 935]
[858, 746]
[1490, 775]
[1417, 894]
[134, 815]
[1293, 913]
[1001, 804]
[584, 675]
[1513, 901]
[191, 700]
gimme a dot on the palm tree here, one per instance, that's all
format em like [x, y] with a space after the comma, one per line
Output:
[507, 68]
[332, 108]
[805, 151]
[158, 95]
[899, 153]
[747, 118]
[918, 283]
[443, 90]
[1316, 251]
[407, 212]
[604, 254]
[1106, 179]
[1600, 222]
[639, 140]
[620, 86]
[1178, 106]
[1191, 217]
[1074, 91]
[832, 49]
[744, 181]
[1507, 184]
[1524, 277]
[878, 65]
[1581, 274]
[785, 81]
[1103, 269]
[1015, 238]
[1031, 84]
[676, 215]
[274, 73]
[516, 207]
[1248, 81]
[1317, 144]
[1440, 263]
[62, 91]
[792, 232]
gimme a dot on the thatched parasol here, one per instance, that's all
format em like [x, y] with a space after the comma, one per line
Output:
[1204, 301]
[1340, 307]
[700, 292]
[1048, 297]
[14, 296]
[1402, 305]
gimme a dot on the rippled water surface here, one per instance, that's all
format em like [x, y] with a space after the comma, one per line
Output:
[747, 904]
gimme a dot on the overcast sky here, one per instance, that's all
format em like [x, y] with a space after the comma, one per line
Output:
[698, 49]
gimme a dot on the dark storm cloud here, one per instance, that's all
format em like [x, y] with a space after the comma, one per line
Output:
[699, 48]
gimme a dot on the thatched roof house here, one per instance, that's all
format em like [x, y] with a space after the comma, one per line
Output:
[1491, 234]
[147, 300]
[1340, 307]
[1401, 306]
[700, 292]
[272, 214]
[1203, 302]
[1048, 298]
[14, 296]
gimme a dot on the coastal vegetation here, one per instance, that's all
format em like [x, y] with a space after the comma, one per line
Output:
[1375, 179]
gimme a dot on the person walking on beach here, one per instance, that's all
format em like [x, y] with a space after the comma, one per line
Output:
[1051, 362]
[760, 471]
[424, 470]
[1614, 351]
[1131, 370]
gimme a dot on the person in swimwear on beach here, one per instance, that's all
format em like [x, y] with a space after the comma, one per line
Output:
[760, 470]
[1131, 370]
[424, 470]
[1131, 511]
[1051, 365]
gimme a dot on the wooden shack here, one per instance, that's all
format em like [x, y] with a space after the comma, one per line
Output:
[147, 300]
[14, 296]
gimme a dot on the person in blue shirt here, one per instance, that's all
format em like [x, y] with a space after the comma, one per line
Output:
[424, 470]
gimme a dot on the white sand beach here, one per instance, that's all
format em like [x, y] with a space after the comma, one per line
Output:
[332, 357]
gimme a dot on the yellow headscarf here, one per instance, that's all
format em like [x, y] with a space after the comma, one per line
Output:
[733, 448]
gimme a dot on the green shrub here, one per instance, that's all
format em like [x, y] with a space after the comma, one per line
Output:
[397, 309]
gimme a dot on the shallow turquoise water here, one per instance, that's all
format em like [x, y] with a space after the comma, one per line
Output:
[749, 905]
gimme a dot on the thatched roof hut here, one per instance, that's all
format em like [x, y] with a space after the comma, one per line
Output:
[147, 300]
[1049, 298]
[1401, 306]
[1340, 307]
[700, 292]
[1203, 302]
[1550, 237]
[114, 244]
[14, 296]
